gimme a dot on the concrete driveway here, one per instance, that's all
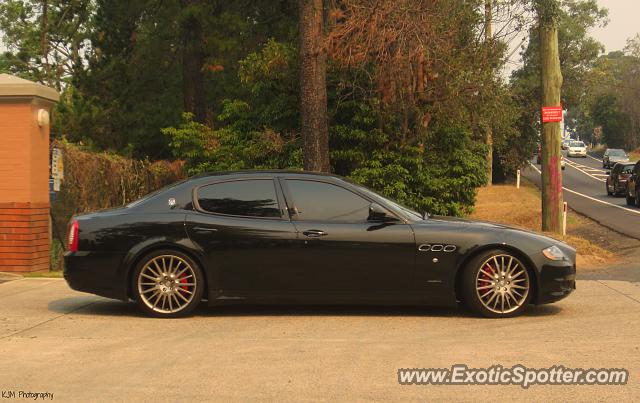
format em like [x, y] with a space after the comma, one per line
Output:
[85, 348]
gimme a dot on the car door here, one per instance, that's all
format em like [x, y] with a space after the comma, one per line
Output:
[341, 252]
[244, 232]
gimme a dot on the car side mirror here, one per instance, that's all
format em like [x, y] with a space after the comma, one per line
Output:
[379, 214]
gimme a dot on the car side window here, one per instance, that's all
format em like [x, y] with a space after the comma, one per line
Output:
[320, 201]
[249, 198]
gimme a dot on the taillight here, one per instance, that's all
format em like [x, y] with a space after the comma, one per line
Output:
[72, 237]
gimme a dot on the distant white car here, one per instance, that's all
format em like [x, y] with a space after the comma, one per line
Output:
[577, 149]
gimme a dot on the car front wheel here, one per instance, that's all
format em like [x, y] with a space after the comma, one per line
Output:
[496, 284]
[167, 284]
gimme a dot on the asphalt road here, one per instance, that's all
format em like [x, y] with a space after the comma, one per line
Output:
[584, 191]
[86, 348]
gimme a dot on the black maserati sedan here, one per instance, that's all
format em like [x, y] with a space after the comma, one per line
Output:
[306, 238]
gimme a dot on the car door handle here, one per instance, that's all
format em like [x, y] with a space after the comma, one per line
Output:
[314, 233]
[205, 229]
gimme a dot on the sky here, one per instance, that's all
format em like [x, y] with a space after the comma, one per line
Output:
[623, 17]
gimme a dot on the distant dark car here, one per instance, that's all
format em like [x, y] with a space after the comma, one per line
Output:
[299, 237]
[612, 156]
[633, 186]
[616, 182]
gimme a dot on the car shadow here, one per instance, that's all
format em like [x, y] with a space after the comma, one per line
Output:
[96, 306]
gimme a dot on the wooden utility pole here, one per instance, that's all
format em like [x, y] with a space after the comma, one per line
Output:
[313, 87]
[488, 38]
[552, 202]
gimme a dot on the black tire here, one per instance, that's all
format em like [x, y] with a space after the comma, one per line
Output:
[475, 273]
[630, 199]
[637, 199]
[178, 282]
[606, 185]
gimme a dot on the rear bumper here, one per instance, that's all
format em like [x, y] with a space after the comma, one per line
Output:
[621, 186]
[94, 273]
[556, 282]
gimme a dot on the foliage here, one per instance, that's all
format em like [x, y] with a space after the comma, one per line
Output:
[95, 181]
[412, 86]
[608, 113]
[439, 179]
[578, 54]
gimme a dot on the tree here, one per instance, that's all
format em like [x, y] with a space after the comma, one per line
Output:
[192, 60]
[313, 87]
[46, 39]
[608, 113]
[551, 83]
[488, 35]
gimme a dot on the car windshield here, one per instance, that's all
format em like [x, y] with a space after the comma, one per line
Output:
[617, 153]
[406, 210]
[577, 144]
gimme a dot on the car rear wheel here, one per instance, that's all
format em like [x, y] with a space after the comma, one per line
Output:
[167, 284]
[630, 199]
[496, 284]
[609, 192]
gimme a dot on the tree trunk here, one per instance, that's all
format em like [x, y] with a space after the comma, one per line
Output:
[488, 137]
[192, 62]
[552, 202]
[313, 87]
[44, 41]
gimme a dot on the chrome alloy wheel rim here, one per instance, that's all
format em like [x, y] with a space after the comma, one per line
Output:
[502, 284]
[167, 284]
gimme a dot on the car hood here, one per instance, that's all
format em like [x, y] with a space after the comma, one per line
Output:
[487, 226]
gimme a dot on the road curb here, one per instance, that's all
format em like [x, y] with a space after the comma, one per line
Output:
[4, 277]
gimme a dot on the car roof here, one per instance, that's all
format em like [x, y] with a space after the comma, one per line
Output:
[259, 172]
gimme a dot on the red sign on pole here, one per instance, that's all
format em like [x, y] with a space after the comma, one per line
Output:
[551, 114]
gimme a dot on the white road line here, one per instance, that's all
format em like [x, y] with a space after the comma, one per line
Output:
[592, 198]
[593, 158]
[587, 173]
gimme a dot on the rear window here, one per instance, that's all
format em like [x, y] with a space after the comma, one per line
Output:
[248, 198]
[617, 153]
[627, 169]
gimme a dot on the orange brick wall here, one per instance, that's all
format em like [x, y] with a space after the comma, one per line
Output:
[24, 187]
[24, 153]
[24, 237]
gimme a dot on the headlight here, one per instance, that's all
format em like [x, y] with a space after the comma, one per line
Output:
[554, 253]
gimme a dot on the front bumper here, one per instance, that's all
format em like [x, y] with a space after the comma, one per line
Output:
[556, 282]
[94, 273]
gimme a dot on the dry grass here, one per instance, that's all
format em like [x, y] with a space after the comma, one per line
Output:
[521, 208]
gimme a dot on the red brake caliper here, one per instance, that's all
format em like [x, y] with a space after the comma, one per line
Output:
[483, 275]
[183, 280]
